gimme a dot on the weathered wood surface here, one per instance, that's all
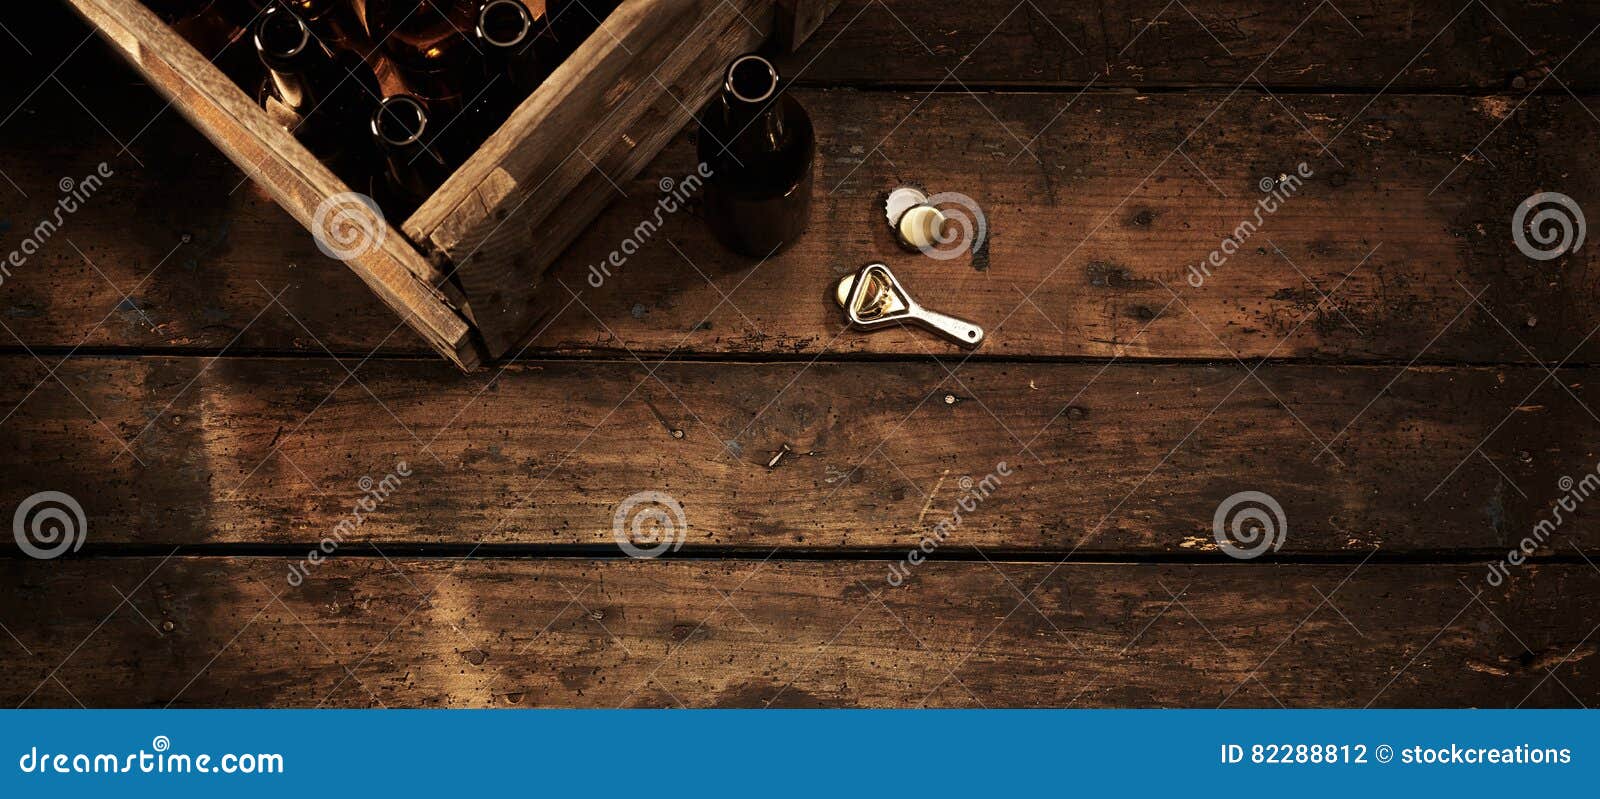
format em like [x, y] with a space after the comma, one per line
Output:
[276, 162]
[796, 20]
[507, 214]
[1430, 45]
[1130, 458]
[255, 452]
[1093, 229]
[364, 632]
[1381, 251]
[178, 248]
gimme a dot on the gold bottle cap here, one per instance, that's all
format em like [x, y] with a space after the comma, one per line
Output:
[916, 224]
[921, 227]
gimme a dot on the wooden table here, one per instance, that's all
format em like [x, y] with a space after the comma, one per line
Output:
[1380, 359]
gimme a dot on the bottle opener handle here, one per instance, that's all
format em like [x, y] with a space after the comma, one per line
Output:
[873, 297]
[958, 330]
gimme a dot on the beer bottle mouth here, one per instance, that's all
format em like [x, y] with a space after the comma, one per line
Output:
[400, 121]
[504, 23]
[280, 34]
[751, 79]
[310, 9]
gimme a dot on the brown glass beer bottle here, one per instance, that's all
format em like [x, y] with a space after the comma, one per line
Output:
[325, 99]
[402, 129]
[758, 144]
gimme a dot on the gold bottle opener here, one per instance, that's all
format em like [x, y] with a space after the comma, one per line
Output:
[873, 298]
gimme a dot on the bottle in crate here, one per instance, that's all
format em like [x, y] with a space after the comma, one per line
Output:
[329, 20]
[198, 22]
[326, 99]
[516, 39]
[422, 38]
[507, 33]
[428, 47]
[572, 21]
[402, 129]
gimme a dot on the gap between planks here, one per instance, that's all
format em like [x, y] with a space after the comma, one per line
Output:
[949, 554]
[619, 356]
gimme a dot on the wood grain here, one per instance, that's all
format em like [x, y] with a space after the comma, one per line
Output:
[508, 212]
[1378, 256]
[1125, 458]
[1093, 229]
[797, 20]
[178, 250]
[579, 633]
[1431, 470]
[272, 157]
[1430, 45]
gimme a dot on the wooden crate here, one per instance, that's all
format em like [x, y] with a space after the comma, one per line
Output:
[464, 269]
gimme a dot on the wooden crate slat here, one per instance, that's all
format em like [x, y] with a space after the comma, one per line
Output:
[582, 633]
[272, 157]
[644, 51]
[237, 452]
[798, 19]
[533, 187]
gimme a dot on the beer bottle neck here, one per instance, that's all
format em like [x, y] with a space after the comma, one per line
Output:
[752, 109]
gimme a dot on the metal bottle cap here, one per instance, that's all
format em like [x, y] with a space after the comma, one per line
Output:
[916, 225]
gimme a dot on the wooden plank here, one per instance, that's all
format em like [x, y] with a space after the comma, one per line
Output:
[797, 20]
[1382, 250]
[1430, 45]
[1440, 227]
[581, 633]
[1130, 458]
[530, 189]
[272, 157]
[179, 249]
